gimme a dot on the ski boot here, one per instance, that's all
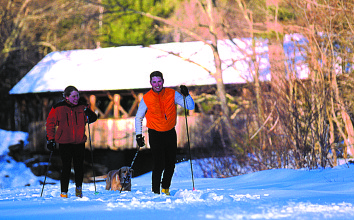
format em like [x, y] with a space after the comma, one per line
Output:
[78, 191]
[64, 195]
[166, 192]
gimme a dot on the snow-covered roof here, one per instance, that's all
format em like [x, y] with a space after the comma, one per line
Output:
[129, 67]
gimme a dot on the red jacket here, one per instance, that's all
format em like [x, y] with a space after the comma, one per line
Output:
[66, 123]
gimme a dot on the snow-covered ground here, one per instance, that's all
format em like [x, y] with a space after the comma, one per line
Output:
[271, 194]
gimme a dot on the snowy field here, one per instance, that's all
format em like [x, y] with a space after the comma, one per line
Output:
[271, 194]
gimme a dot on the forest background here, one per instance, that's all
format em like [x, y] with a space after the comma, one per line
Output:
[285, 123]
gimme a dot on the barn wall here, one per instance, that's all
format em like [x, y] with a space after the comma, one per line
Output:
[119, 134]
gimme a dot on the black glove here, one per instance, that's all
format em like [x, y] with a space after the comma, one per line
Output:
[87, 111]
[51, 145]
[184, 90]
[140, 140]
[92, 117]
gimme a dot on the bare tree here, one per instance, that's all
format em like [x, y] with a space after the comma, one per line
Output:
[46, 25]
[328, 27]
[30, 29]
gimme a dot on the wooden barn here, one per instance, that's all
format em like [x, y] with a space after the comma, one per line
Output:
[113, 81]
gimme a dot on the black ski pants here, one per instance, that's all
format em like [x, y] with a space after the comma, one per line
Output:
[72, 153]
[163, 147]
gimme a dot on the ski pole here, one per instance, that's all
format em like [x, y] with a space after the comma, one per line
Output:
[93, 170]
[46, 173]
[189, 146]
[126, 178]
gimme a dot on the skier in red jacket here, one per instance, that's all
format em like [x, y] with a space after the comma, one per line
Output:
[66, 125]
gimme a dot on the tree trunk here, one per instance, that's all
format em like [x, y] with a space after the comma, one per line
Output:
[332, 139]
[348, 125]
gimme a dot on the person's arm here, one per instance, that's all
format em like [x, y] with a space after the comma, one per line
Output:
[50, 124]
[140, 114]
[189, 101]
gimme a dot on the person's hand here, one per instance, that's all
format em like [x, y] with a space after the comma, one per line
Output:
[86, 110]
[90, 115]
[51, 145]
[140, 140]
[184, 90]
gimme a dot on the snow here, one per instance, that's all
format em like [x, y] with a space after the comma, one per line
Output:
[271, 194]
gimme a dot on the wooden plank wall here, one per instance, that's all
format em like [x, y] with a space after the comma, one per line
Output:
[119, 134]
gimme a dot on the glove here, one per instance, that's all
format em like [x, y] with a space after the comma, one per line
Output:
[51, 145]
[184, 90]
[91, 116]
[140, 140]
[86, 110]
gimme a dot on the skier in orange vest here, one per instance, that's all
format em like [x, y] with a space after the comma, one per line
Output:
[159, 107]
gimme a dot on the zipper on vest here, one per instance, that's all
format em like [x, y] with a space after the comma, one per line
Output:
[162, 107]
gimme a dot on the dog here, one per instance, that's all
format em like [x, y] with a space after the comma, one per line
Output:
[119, 179]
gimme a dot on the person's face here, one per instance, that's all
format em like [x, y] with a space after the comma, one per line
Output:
[157, 83]
[73, 98]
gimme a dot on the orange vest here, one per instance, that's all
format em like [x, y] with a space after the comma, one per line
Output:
[161, 111]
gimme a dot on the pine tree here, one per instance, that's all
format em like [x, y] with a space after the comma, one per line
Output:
[127, 28]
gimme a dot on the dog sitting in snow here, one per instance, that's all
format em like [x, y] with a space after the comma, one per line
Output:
[115, 179]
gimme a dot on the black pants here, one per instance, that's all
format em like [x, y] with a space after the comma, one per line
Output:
[163, 147]
[72, 153]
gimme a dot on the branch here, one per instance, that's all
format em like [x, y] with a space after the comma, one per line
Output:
[183, 58]
[47, 44]
[42, 43]
[265, 122]
[313, 2]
